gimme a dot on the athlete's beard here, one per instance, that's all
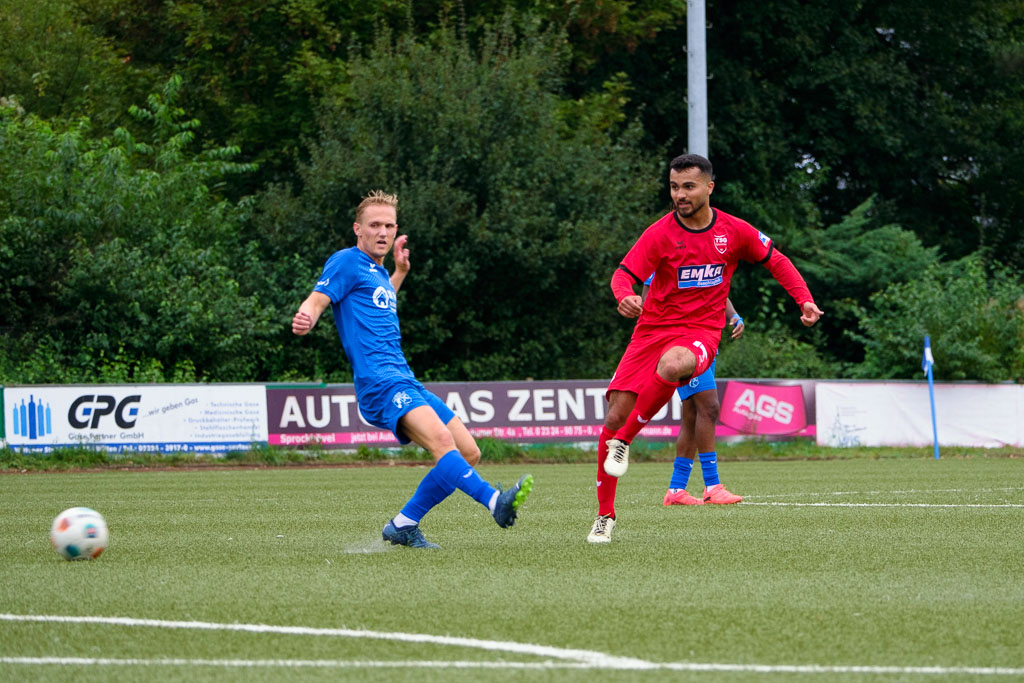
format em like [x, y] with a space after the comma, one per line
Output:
[694, 208]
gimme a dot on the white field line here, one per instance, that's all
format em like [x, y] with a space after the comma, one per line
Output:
[587, 656]
[886, 505]
[577, 659]
[548, 665]
[294, 663]
[887, 492]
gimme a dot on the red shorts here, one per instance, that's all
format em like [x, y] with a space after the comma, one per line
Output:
[647, 346]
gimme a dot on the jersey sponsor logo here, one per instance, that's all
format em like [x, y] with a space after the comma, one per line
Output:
[383, 298]
[401, 399]
[707, 275]
[323, 283]
[721, 243]
[764, 238]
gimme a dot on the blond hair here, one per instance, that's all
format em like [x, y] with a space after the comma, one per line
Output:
[376, 198]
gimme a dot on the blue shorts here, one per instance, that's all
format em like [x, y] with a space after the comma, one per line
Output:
[385, 405]
[702, 382]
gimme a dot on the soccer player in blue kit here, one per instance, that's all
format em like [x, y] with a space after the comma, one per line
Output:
[362, 297]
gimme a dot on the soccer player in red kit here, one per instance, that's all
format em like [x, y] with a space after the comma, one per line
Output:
[693, 252]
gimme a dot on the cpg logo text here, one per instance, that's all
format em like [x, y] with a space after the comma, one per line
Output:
[86, 411]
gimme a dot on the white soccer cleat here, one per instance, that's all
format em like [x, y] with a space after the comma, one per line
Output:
[601, 532]
[617, 462]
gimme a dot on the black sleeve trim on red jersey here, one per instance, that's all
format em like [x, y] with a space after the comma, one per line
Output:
[626, 270]
[765, 259]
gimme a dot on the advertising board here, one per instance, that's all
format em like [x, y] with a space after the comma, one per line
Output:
[160, 418]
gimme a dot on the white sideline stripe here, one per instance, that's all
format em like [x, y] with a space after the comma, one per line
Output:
[890, 492]
[888, 505]
[598, 659]
[364, 664]
[579, 659]
[295, 663]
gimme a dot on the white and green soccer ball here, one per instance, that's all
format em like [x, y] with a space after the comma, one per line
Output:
[79, 534]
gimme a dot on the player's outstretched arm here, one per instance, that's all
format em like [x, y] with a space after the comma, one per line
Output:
[309, 312]
[402, 265]
[783, 270]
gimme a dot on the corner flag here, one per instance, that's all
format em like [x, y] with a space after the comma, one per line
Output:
[926, 360]
[926, 364]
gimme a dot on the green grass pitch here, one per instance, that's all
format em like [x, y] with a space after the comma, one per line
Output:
[843, 570]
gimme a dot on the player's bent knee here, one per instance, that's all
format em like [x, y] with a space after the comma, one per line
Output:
[471, 455]
[437, 441]
[677, 364]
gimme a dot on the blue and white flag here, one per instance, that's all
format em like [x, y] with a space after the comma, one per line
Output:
[926, 360]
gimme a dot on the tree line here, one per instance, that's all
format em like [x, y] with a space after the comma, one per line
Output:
[173, 176]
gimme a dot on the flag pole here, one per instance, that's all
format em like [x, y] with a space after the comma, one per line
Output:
[926, 363]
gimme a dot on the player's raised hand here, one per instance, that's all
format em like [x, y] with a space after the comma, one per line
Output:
[401, 254]
[630, 306]
[811, 313]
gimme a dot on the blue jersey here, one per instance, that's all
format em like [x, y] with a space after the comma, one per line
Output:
[366, 315]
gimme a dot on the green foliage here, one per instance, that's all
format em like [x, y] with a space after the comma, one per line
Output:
[118, 262]
[126, 253]
[254, 68]
[57, 68]
[773, 353]
[845, 263]
[518, 204]
[930, 143]
[974, 315]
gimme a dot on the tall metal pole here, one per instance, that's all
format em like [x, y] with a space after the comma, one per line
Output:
[697, 78]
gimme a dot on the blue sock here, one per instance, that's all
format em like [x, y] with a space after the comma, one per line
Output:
[463, 477]
[451, 472]
[681, 473]
[709, 468]
[432, 490]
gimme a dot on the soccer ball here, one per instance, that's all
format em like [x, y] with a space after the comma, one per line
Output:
[79, 534]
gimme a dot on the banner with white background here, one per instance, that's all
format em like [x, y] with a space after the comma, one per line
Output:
[899, 414]
[158, 418]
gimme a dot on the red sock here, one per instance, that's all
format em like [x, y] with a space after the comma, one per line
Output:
[655, 394]
[605, 482]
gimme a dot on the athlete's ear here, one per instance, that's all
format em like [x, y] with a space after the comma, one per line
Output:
[355, 228]
[711, 186]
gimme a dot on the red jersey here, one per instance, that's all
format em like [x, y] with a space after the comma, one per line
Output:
[693, 269]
